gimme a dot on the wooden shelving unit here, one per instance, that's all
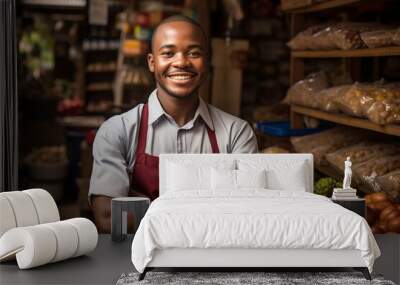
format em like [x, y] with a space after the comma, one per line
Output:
[373, 52]
[347, 120]
[298, 18]
[319, 6]
[348, 57]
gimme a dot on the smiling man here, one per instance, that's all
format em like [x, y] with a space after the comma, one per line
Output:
[174, 120]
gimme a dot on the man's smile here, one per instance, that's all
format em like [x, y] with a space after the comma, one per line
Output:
[181, 77]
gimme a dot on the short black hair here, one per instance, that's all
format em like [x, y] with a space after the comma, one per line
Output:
[179, 18]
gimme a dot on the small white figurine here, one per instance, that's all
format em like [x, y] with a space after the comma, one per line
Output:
[347, 174]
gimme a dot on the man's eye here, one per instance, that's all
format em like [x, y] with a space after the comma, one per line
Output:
[194, 54]
[167, 53]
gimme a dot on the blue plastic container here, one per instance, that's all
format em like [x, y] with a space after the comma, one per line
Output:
[282, 129]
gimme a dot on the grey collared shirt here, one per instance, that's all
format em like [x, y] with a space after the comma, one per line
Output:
[115, 144]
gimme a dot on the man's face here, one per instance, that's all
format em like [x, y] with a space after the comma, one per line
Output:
[179, 58]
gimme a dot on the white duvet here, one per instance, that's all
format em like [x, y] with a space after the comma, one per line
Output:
[254, 218]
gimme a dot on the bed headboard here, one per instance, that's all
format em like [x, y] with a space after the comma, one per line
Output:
[267, 159]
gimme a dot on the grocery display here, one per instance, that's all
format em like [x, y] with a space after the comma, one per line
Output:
[320, 144]
[361, 152]
[326, 99]
[373, 158]
[396, 37]
[101, 67]
[304, 92]
[379, 101]
[342, 35]
[379, 38]
[366, 172]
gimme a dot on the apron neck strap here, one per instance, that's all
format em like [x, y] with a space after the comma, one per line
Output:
[213, 140]
[144, 118]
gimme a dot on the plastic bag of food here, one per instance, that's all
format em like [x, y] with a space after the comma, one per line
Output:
[360, 153]
[358, 98]
[396, 37]
[344, 35]
[304, 40]
[328, 141]
[379, 102]
[390, 183]
[326, 99]
[304, 92]
[384, 105]
[338, 36]
[373, 168]
[378, 38]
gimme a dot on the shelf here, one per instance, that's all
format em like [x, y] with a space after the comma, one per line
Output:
[134, 55]
[322, 6]
[385, 51]
[101, 71]
[99, 89]
[50, 6]
[347, 120]
[81, 121]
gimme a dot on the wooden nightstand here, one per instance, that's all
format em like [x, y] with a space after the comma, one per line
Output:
[357, 205]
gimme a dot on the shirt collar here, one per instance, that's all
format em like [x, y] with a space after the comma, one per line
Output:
[156, 110]
[204, 113]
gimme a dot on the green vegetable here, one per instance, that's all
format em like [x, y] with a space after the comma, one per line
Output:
[324, 186]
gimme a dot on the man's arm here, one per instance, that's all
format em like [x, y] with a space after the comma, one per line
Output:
[101, 206]
[109, 174]
[244, 140]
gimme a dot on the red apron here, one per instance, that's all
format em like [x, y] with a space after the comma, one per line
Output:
[144, 177]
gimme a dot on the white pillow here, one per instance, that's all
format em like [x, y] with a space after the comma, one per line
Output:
[281, 175]
[186, 176]
[293, 178]
[251, 179]
[237, 179]
[223, 179]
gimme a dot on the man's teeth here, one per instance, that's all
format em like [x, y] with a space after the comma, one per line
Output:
[180, 77]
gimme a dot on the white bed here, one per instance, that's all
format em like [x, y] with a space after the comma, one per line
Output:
[201, 220]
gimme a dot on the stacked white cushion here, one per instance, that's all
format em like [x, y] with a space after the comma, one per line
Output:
[26, 208]
[41, 244]
[67, 240]
[281, 174]
[226, 179]
[223, 179]
[31, 231]
[45, 205]
[23, 208]
[87, 235]
[251, 178]
[7, 218]
[32, 246]
[193, 175]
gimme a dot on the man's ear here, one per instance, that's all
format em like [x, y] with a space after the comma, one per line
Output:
[150, 62]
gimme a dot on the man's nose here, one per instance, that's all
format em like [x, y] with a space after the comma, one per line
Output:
[181, 60]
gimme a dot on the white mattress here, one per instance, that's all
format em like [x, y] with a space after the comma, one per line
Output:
[253, 218]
